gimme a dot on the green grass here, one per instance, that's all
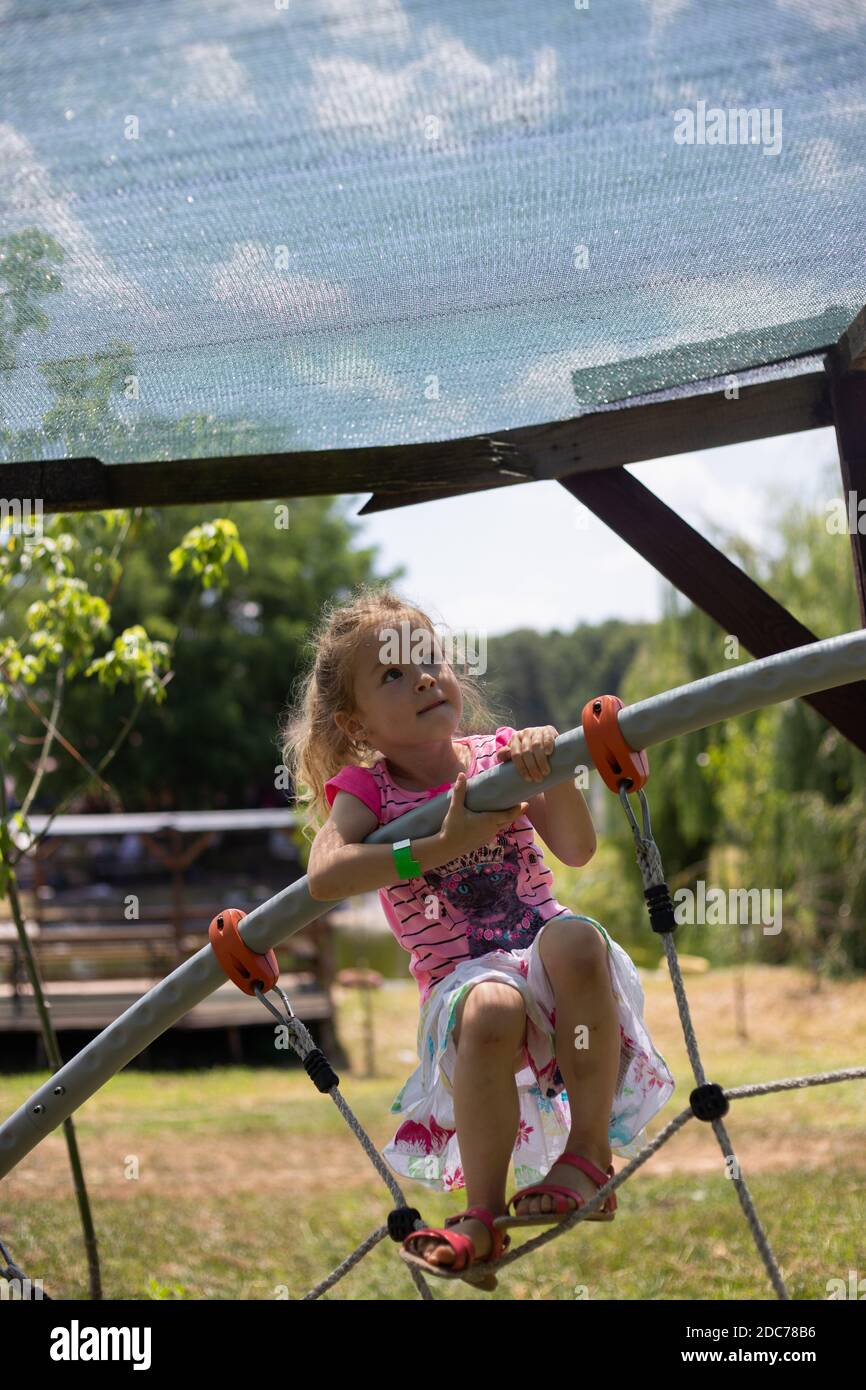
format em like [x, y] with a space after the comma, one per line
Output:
[676, 1238]
[252, 1186]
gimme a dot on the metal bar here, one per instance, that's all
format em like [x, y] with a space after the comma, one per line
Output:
[785, 676]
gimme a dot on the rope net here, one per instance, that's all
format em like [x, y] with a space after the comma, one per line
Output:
[708, 1102]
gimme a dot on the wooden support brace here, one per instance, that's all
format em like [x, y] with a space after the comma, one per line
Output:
[846, 369]
[712, 581]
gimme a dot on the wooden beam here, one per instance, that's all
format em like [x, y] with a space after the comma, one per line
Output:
[712, 582]
[77, 485]
[401, 475]
[390, 501]
[846, 372]
[650, 429]
[850, 351]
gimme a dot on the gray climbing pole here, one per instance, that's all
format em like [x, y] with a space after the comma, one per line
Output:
[786, 676]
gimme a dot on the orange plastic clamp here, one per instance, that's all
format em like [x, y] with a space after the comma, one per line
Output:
[608, 749]
[242, 964]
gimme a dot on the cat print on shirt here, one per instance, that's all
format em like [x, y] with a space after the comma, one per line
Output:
[482, 887]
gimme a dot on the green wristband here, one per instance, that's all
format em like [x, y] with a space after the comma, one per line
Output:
[407, 867]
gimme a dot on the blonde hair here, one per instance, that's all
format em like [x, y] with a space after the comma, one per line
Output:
[312, 745]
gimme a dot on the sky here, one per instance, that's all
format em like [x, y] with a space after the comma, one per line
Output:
[530, 563]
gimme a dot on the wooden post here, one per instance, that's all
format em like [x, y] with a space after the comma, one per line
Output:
[178, 914]
[236, 1048]
[846, 368]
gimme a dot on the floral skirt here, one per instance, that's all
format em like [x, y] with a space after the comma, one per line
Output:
[425, 1145]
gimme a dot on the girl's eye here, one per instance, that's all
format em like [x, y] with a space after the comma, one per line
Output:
[388, 672]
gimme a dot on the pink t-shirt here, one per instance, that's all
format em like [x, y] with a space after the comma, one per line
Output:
[495, 898]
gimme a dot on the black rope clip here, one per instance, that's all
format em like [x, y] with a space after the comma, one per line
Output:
[660, 908]
[709, 1102]
[320, 1071]
[658, 896]
[316, 1064]
[401, 1222]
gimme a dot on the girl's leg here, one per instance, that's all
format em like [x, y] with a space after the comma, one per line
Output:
[574, 955]
[491, 1025]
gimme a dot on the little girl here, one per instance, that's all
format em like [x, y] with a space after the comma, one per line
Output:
[531, 1037]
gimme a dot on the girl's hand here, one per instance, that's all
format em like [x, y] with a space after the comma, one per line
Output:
[529, 750]
[464, 830]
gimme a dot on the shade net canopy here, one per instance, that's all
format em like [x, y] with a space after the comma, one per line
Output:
[241, 226]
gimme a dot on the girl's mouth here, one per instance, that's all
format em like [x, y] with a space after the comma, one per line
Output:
[438, 705]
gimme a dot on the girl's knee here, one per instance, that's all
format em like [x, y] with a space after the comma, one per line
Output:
[574, 947]
[491, 1014]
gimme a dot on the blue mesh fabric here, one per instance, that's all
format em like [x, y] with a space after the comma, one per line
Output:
[228, 226]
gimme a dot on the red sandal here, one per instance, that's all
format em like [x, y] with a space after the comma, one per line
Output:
[562, 1197]
[461, 1244]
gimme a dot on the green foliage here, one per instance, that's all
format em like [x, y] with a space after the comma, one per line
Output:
[785, 792]
[236, 648]
[96, 408]
[83, 388]
[66, 622]
[61, 626]
[157, 1290]
[133, 660]
[6, 849]
[26, 258]
[206, 551]
[547, 677]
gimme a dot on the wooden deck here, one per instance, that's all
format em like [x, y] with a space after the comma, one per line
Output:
[93, 1004]
[95, 963]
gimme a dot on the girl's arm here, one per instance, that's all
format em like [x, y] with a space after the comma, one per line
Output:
[340, 865]
[562, 819]
[560, 815]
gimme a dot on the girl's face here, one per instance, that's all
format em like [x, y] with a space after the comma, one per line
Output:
[393, 698]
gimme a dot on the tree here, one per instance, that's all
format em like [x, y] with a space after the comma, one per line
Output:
[63, 623]
[215, 742]
[780, 788]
